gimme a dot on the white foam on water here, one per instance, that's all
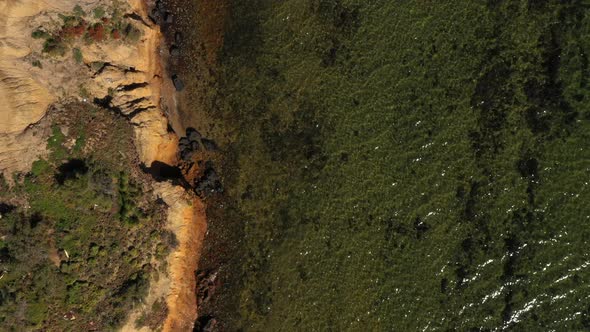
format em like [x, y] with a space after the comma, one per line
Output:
[517, 314]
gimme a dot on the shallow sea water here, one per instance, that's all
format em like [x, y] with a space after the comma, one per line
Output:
[403, 165]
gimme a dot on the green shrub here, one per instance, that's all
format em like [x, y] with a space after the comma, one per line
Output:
[40, 167]
[40, 34]
[98, 12]
[132, 33]
[80, 142]
[97, 65]
[103, 276]
[84, 93]
[77, 55]
[79, 11]
[36, 313]
[54, 47]
[69, 20]
[55, 144]
[76, 292]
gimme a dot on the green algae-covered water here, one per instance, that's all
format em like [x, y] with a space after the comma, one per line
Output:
[404, 166]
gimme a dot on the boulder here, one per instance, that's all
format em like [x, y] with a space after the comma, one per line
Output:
[187, 155]
[209, 183]
[206, 323]
[207, 285]
[174, 51]
[178, 84]
[209, 144]
[193, 134]
[168, 18]
[178, 37]
[210, 326]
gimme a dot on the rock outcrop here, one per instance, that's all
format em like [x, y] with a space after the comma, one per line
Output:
[124, 76]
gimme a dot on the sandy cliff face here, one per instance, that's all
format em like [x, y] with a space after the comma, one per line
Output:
[130, 77]
[127, 77]
[187, 220]
[24, 101]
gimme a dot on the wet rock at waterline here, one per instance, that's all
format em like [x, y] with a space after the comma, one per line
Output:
[193, 134]
[168, 17]
[158, 14]
[192, 143]
[206, 324]
[189, 145]
[209, 145]
[207, 285]
[183, 141]
[178, 37]
[189, 148]
[209, 183]
[174, 51]
[178, 84]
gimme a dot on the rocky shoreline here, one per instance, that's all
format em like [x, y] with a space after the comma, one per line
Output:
[186, 214]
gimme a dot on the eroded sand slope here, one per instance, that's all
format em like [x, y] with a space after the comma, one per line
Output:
[28, 91]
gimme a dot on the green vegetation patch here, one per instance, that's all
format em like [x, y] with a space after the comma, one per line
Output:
[98, 12]
[70, 259]
[105, 24]
[78, 11]
[37, 63]
[77, 55]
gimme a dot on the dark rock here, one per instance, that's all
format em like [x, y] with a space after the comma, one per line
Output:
[193, 134]
[160, 7]
[195, 145]
[207, 285]
[168, 18]
[209, 144]
[184, 141]
[178, 37]
[210, 326]
[178, 84]
[248, 194]
[157, 13]
[174, 51]
[205, 323]
[187, 155]
[155, 16]
[209, 183]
